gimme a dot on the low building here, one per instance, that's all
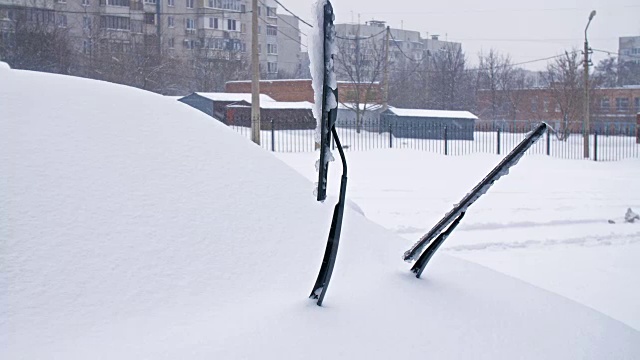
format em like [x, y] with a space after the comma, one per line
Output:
[612, 109]
[369, 117]
[293, 90]
[429, 124]
[275, 115]
[215, 104]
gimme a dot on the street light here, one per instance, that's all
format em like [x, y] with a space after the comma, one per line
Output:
[586, 88]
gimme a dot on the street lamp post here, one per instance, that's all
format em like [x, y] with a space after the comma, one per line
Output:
[586, 88]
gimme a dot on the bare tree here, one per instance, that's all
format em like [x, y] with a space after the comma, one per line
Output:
[495, 75]
[361, 64]
[565, 83]
[38, 40]
[450, 85]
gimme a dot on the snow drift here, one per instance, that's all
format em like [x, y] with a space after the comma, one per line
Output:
[133, 226]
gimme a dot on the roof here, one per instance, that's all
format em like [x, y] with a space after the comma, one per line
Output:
[281, 105]
[266, 81]
[220, 96]
[352, 106]
[449, 114]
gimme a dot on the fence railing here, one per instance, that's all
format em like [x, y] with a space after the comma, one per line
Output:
[607, 141]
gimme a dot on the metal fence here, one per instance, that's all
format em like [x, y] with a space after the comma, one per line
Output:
[608, 141]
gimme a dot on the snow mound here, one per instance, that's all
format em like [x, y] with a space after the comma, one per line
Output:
[4, 66]
[135, 227]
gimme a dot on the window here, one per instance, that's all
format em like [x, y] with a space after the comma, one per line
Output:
[191, 44]
[259, 48]
[545, 105]
[149, 18]
[272, 30]
[243, 28]
[534, 106]
[149, 1]
[271, 12]
[190, 24]
[171, 21]
[213, 23]
[622, 104]
[259, 29]
[231, 25]
[272, 49]
[86, 22]
[604, 104]
[637, 104]
[189, 4]
[172, 43]
[114, 22]
[85, 3]
[171, 2]
[115, 2]
[86, 47]
[234, 5]
[136, 26]
[272, 67]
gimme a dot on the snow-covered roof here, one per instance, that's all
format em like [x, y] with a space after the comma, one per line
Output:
[220, 96]
[266, 81]
[282, 105]
[448, 114]
[352, 106]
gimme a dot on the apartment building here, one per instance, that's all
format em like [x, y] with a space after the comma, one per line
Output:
[289, 46]
[207, 29]
[368, 41]
[629, 49]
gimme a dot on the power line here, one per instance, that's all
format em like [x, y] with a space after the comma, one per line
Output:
[294, 15]
[615, 52]
[284, 21]
[360, 38]
[283, 34]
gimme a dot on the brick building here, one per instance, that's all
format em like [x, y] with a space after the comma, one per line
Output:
[301, 90]
[611, 105]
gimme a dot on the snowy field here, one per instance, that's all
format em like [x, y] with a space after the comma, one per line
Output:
[132, 227]
[545, 223]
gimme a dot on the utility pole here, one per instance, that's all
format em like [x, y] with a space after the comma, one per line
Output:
[255, 78]
[587, 125]
[385, 99]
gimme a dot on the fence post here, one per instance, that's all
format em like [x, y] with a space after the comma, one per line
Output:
[446, 142]
[548, 142]
[390, 136]
[498, 141]
[595, 146]
[638, 128]
[273, 136]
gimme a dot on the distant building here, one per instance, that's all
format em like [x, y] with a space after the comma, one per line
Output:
[629, 49]
[209, 30]
[429, 124]
[275, 115]
[608, 106]
[289, 50]
[215, 104]
[367, 43]
[301, 90]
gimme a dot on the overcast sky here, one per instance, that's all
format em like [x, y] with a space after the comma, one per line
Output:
[526, 30]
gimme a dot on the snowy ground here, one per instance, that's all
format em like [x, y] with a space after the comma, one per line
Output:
[132, 227]
[545, 223]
